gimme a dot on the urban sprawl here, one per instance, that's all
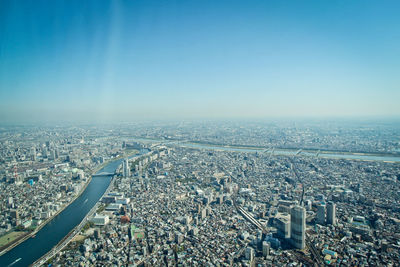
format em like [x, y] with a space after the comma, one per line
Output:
[180, 198]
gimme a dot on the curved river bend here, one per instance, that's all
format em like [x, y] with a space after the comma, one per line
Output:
[33, 248]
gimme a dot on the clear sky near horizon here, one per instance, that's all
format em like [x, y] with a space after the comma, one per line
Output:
[127, 60]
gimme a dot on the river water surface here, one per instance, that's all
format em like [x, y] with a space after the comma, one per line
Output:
[33, 248]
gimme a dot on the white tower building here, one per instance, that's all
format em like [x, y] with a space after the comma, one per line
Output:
[126, 169]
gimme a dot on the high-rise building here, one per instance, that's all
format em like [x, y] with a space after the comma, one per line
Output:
[33, 154]
[282, 223]
[249, 253]
[321, 214]
[126, 169]
[144, 251]
[14, 214]
[44, 152]
[331, 213]
[298, 227]
[265, 248]
[308, 204]
[10, 201]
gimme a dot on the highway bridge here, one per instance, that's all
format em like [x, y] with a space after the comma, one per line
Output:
[75, 231]
[103, 174]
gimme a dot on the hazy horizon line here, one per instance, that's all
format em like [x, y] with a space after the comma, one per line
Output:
[360, 119]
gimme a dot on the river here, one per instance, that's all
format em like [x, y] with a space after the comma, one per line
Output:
[288, 152]
[277, 151]
[33, 248]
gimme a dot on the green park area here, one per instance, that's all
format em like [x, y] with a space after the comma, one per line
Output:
[10, 237]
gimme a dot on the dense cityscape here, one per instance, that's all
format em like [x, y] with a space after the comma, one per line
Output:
[225, 133]
[181, 198]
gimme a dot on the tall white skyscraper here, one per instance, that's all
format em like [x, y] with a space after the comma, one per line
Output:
[126, 168]
[331, 213]
[298, 227]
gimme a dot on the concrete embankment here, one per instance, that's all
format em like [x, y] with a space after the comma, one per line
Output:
[34, 232]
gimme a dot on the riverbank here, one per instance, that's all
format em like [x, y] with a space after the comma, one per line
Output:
[34, 232]
[292, 152]
[256, 148]
[309, 150]
[46, 258]
[76, 230]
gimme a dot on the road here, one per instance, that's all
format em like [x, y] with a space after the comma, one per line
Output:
[248, 216]
[65, 241]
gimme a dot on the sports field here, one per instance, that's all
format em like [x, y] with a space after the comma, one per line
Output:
[5, 239]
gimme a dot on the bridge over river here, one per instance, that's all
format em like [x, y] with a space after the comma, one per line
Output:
[103, 174]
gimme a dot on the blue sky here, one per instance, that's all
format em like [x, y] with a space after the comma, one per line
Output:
[128, 60]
